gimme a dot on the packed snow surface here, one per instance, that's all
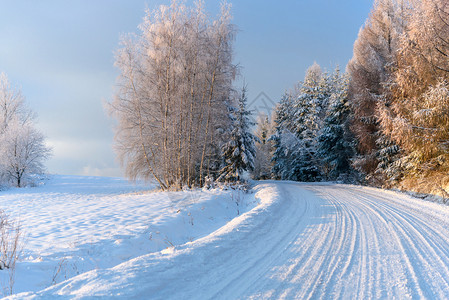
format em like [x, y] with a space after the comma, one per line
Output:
[294, 241]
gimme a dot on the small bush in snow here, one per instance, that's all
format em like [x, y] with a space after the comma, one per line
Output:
[11, 245]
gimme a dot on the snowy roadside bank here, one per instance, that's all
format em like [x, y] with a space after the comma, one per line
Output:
[76, 224]
[140, 276]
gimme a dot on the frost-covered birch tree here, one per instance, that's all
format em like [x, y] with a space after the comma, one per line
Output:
[22, 152]
[12, 104]
[172, 95]
[22, 146]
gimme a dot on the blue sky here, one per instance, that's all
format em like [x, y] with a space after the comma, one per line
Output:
[61, 54]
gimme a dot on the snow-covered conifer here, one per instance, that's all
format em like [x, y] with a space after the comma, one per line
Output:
[240, 151]
[283, 139]
[335, 142]
[310, 108]
[262, 168]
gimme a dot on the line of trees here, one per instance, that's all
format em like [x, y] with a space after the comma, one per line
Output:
[386, 121]
[383, 122]
[311, 137]
[175, 97]
[399, 91]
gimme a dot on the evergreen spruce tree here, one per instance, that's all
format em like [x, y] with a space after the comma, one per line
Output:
[312, 140]
[310, 107]
[335, 142]
[281, 139]
[303, 162]
[278, 158]
[239, 152]
[262, 169]
[389, 169]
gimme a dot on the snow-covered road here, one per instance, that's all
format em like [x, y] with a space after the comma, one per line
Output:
[302, 241]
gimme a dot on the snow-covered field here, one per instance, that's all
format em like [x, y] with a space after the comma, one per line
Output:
[77, 224]
[290, 240]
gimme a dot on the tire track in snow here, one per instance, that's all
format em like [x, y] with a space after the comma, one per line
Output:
[272, 252]
[367, 247]
[378, 229]
[386, 251]
[379, 219]
[335, 252]
[351, 254]
[355, 243]
[421, 246]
